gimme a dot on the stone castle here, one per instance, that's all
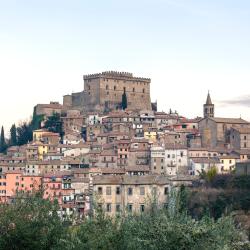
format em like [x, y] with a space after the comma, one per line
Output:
[103, 92]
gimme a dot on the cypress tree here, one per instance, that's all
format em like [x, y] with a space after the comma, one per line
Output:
[124, 101]
[13, 135]
[3, 145]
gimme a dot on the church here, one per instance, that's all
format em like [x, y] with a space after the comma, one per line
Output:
[215, 131]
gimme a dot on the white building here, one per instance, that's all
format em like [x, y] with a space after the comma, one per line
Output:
[197, 165]
[176, 159]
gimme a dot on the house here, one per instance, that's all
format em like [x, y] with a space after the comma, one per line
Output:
[228, 163]
[132, 194]
[157, 157]
[176, 159]
[197, 165]
[240, 138]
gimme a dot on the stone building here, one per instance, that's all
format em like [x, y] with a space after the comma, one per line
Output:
[103, 92]
[157, 156]
[116, 194]
[48, 109]
[215, 131]
[240, 138]
[208, 107]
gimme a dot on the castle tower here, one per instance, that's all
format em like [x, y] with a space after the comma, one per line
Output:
[208, 108]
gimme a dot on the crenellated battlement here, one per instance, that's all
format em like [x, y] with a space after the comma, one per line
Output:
[116, 75]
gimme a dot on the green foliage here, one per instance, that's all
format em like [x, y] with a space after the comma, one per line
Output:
[13, 136]
[24, 133]
[54, 124]
[36, 120]
[211, 173]
[31, 222]
[162, 229]
[124, 101]
[3, 145]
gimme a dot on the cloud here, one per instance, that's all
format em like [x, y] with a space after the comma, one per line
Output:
[243, 101]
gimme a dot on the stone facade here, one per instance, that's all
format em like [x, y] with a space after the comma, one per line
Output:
[103, 92]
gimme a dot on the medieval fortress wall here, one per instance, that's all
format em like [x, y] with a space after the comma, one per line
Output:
[103, 91]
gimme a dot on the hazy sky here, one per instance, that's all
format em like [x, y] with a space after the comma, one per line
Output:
[186, 47]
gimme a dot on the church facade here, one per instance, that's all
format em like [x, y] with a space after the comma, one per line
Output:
[215, 131]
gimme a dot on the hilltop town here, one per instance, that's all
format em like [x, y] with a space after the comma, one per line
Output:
[109, 144]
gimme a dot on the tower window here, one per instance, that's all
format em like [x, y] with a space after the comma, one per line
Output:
[114, 87]
[107, 87]
[133, 89]
[143, 90]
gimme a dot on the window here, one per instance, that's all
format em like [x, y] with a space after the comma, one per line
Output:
[166, 190]
[118, 207]
[130, 207]
[181, 154]
[245, 145]
[143, 90]
[230, 161]
[142, 191]
[130, 191]
[118, 190]
[108, 190]
[245, 137]
[114, 87]
[133, 89]
[99, 190]
[142, 208]
[107, 87]
[108, 207]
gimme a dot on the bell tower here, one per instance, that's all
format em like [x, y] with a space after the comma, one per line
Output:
[208, 107]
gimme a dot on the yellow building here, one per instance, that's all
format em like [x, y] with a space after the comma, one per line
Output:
[45, 136]
[42, 150]
[228, 163]
[150, 135]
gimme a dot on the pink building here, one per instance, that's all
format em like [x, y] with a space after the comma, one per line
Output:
[14, 181]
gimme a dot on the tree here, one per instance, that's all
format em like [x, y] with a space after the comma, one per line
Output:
[124, 101]
[3, 145]
[36, 120]
[13, 136]
[24, 134]
[54, 124]
[31, 222]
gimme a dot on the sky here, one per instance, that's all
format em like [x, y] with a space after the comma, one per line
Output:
[186, 47]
